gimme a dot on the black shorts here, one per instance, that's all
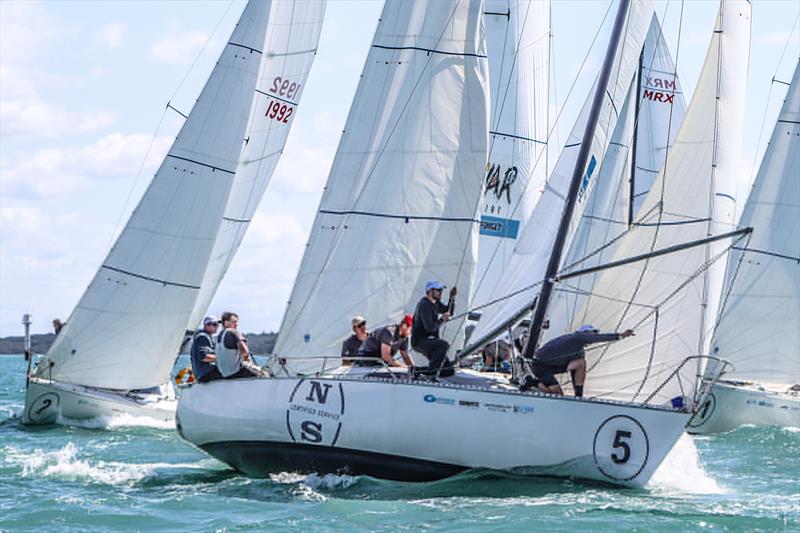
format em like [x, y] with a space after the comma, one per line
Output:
[545, 371]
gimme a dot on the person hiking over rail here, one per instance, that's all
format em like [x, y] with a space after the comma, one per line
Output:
[429, 315]
[383, 343]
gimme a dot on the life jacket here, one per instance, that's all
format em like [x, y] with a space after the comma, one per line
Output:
[229, 360]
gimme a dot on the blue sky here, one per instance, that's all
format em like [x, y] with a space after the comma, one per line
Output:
[83, 89]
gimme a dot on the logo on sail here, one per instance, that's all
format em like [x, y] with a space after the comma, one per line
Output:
[316, 412]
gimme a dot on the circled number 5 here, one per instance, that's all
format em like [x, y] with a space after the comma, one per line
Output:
[619, 443]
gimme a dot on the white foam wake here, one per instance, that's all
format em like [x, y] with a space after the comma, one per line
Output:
[681, 471]
[65, 463]
[121, 420]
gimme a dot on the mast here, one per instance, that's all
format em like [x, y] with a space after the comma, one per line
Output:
[577, 174]
[635, 141]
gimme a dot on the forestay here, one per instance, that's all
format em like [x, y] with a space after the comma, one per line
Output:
[291, 45]
[655, 121]
[125, 331]
[517, 286]
[759, 329]
[400, 206]
[518, 41]
[668, 299]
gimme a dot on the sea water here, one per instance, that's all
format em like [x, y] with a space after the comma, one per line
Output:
[126, 474]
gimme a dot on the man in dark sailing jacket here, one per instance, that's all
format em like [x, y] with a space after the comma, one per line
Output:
[566, 353]
[203, 353]
[383, 343]
[429, 315]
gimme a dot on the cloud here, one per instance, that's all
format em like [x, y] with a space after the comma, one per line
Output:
[50, 171]
[775, 38]
[28, 27]
[180, 47]
[111, 35]
[33, 116]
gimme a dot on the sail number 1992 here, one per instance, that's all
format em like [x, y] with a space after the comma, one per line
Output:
[277, 109]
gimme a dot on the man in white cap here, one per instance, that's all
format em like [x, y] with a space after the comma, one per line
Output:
[429, 315]
[203, 353]
[352, 343]
[566, 353]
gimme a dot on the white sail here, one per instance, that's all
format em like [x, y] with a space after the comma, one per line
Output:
[291, 45]
[656, 121]
[125, 331]
[518, 43]
[516, 287]
[759, 329]
[668, 299]
[401, 201]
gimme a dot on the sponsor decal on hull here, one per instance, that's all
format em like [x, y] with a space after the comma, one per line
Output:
[316, 412]
[44, 407]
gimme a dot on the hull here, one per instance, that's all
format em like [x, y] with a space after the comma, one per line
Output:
[411, 431]
[729, 406]
[47, 402]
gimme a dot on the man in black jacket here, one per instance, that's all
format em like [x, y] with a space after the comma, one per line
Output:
[429, 315]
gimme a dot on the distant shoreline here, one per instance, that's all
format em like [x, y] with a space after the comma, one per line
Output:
[259, 343]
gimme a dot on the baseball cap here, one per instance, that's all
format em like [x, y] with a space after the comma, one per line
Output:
[586, 328]
[357, 320]
[434, 284]
[408, 320]
[210, 319]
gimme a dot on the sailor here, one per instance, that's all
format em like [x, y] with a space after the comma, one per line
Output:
[566, 353]
[203, 352]
[352, 343]
[57, 325]
[233, 355]
[496, 356]
[385, 342]
[429, 315]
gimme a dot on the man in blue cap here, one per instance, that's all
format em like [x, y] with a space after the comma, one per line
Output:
[429, 315]
[567, 353]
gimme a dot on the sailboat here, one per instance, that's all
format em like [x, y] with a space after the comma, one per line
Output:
[118, 347]
[400, 204]
[759, 328]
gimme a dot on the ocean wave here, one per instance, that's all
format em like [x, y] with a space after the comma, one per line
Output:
[65, 463]
[122, 420]
[329, 482]
[682, 471]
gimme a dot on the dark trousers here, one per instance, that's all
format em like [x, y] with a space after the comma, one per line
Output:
[436, 352]
[211, 375]
[242, 373]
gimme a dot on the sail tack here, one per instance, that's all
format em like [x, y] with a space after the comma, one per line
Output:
[759, 329]
[125, 331]
[291, 45]
[400, 206]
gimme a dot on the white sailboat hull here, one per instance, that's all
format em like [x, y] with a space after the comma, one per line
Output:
[729, 406]
[416, 431]
[47, 402]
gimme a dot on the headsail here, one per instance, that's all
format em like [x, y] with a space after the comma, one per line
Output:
[516, 288]
[291, 45]
[655, 121]
[668, 299]
[518, 43]
[401, 201]
[125, 331]
[759, 329]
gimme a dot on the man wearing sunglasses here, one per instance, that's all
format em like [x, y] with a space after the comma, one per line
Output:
[429, 316]
[352, 343]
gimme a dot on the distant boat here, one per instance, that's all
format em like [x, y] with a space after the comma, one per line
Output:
[401, 207]
[117, 349]
[759, 328]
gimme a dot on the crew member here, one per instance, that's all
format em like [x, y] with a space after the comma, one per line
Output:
[384, 343]
[233, 354]
[429, 315]
[203, 352]
[352, 343]
[566, 353]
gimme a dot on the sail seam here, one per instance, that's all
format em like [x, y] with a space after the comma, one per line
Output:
[212, 167]
[673, 223]
[245, 47]
[240, 220]
[789, 121]
[765, 252]
[148, 278]
[402, 217]
[429, 50]
[276, 97]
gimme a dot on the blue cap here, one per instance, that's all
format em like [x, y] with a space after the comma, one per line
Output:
[587, 327]
[434, 284]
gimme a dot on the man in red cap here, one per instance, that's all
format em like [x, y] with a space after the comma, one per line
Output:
[383, 343]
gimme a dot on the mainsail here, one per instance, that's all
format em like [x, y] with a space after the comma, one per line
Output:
[518, 44]
[515, 289]
[668, 299]
[645, 131]
[125, 331]
[291, 45]
[759, 329]
[400, 206]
